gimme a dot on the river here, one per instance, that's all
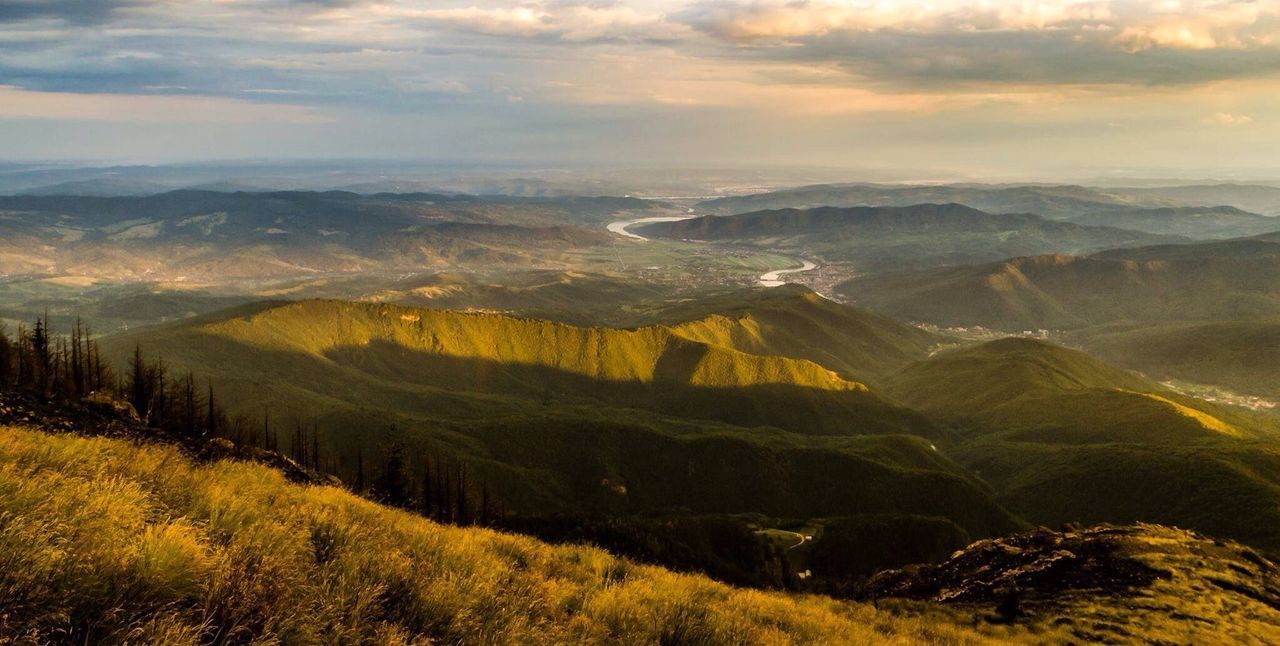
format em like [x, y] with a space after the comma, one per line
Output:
[768, 279]
[620, 227]
[774, 278]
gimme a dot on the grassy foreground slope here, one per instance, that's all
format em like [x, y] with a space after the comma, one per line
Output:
[1065, 438]
[107, 541]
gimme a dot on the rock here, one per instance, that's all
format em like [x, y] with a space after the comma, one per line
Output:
[218, 449]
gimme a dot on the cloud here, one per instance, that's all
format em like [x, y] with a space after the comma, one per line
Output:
[1204, 26]
[924, 44]
[1065, 64]
[1229, 119]
[567, 21]
[17, 103]
[77, 12]
[762, 21]
[450, 87]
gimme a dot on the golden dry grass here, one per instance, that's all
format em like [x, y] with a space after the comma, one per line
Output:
[107, 541]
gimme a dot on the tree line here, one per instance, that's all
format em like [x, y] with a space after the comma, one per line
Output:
[69, 366]
[442, 489]
[51, 364]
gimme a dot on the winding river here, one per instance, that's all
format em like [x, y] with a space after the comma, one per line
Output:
[774, 278]
[620, 227]
[768, 279]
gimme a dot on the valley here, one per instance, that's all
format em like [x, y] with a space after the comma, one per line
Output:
[623, 322]
[774, 278]
[670, 386]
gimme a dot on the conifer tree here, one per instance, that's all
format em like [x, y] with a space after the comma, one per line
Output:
[6, 358]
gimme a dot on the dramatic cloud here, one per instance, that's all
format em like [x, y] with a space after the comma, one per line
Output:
[1061, 42]
[543, 71]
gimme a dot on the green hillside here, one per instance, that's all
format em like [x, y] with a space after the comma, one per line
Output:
[567, 296]
[788, 321]
[792, 321]
[1238, 355]
[676, 369]
[1063, 438]
[560, 418]
[111, 541]
[345, 332]
[1028, 390]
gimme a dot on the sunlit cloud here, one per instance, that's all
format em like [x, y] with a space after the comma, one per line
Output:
[783, 20]
[1229, 119]
[584, 65]
[16, 103]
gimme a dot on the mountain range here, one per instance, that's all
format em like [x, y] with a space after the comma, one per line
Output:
[1225, 280]
[205, 235]
[558, 417]
[1205, 212]
[827, 412]
[1023, 412]
[876, 239]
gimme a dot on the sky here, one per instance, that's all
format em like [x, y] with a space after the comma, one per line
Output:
[987, 89]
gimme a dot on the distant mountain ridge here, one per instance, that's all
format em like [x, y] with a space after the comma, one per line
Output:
[1203, 222]
[1047, 200]
[1257, 198]
[1199, 212]
[1235, 279]
[895, 238]
[212, 235]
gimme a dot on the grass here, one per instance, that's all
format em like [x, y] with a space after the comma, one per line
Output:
[104, 541]
[108, 541]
